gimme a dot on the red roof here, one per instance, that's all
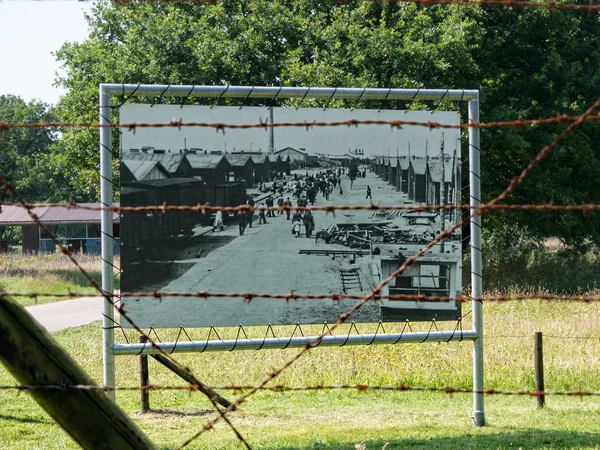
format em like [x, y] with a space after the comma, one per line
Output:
[63, 214]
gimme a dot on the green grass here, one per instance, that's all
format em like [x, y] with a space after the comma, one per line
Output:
[49, 274]
[345, 419]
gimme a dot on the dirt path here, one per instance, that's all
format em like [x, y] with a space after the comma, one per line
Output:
[67, 314]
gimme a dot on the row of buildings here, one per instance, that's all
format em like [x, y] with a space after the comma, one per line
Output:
[430, 180]
[300, 158]
[141, 165]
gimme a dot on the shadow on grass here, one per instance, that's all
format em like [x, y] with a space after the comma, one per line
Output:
[525, 438]
[8, 417]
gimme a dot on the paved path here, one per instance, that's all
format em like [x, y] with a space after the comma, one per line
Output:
[67, 314]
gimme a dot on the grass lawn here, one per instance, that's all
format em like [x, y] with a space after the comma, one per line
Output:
[348, 419]
[50, 274]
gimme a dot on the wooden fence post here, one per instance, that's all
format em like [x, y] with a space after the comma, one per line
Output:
[35, 359]
[144, 379]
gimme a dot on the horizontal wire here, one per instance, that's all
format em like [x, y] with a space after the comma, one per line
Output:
[218, 126]
[282, 388]
[475, 212]
[292, 296]
[8, 186]
[206, 207]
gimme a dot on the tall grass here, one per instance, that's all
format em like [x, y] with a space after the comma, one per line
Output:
[49, 274]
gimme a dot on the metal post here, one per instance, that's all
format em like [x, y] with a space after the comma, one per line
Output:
[106, 228]
[539, 369]
[476, 275]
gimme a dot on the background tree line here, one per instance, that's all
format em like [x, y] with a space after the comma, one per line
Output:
[526, 62]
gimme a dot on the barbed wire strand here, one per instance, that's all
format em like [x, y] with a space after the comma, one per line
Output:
[544, 152]
[119, 308]
[293, 296]
[343, 317]
[205, 208]
[321, 387]
[218, 126]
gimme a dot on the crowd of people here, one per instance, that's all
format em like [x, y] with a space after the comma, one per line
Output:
[304, 190]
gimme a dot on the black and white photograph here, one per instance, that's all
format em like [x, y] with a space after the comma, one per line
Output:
[288, 249]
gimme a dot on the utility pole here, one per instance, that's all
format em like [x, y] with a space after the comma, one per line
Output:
[271, 133]
[443, 190]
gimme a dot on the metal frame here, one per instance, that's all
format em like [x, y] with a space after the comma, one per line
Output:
[106, 91]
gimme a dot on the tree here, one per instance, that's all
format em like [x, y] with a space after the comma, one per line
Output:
[29, 156]
[527, 63]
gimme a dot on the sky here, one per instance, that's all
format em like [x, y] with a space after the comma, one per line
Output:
[29, 32]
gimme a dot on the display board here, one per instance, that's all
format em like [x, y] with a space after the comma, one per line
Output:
[349, 252]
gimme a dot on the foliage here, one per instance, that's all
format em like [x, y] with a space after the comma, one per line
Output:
[516, 261]
[526, 62]
[29, 156]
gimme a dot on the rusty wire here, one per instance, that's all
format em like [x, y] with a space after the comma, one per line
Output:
[281, 388]
[373, 295]
[6, 185]
[292, 296]
[554, 5]
[203, 208]
[218, 126]
[544, 152]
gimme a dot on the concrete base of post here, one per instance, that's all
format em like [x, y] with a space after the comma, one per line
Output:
[478, 418]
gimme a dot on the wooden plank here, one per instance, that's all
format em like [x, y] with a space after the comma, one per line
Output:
[35, 359]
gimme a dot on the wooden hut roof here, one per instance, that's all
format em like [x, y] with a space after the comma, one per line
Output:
[204, 161]
[238, 160]
[404, 163]
[419, 165]
[141, 169]
[260, 159]
[169, 161]
[54, 214]
[436, 170]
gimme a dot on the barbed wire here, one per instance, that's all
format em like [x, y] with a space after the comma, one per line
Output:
[204, 208]
[292, 296]
[219, 126]
[342, 318]
[590, 7]
[10, 188]
[283, 388]
[543, 153]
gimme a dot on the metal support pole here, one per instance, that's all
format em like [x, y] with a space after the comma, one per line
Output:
[476, 269]
[106, 228]
[294, 342]
[539, 369]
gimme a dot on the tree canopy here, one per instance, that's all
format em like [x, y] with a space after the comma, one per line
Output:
[30, 157]
[526, 62]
